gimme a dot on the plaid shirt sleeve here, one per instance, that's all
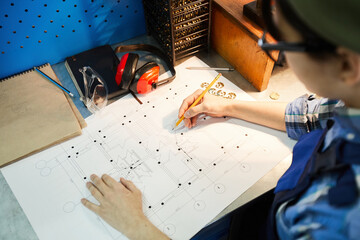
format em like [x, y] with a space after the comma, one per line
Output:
[308, 113]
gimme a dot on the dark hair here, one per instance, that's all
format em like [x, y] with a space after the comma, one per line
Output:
[318, 46]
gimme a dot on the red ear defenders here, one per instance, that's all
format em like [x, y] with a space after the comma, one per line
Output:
[145, 78]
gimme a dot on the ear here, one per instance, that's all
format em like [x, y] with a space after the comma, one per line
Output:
[350, 66]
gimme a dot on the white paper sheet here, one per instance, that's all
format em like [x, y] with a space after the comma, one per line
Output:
[187, 176]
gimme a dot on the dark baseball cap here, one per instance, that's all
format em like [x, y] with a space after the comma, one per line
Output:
[337, 21]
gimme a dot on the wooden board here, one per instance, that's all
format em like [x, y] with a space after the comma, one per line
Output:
[235, 38]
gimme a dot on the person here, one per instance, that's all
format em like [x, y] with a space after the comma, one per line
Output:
[318, 196]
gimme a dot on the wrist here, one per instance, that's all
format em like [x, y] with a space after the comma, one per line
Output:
[229, 108]
[146, 230]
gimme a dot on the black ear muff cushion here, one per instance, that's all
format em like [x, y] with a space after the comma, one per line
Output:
[146, 67]
[129, 71]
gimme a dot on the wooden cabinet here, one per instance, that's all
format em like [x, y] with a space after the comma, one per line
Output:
[235, 38]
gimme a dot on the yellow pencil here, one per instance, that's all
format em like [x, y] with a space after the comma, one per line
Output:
[198, 99]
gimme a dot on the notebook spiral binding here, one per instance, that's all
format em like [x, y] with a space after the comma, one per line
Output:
[24, 72]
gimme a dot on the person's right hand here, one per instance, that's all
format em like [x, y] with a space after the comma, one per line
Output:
[210, 105]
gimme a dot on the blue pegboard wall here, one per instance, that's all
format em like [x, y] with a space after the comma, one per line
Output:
[34, 32]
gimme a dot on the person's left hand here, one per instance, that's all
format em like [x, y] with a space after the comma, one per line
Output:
[120, 206]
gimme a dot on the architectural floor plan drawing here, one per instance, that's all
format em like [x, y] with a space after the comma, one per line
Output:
[183, 174]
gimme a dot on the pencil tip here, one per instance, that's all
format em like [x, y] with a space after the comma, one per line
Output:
[72, 95]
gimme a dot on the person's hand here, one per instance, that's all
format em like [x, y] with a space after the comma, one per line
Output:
[210, 105]
[121, 207]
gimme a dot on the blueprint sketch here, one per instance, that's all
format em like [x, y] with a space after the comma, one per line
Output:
[187, 176]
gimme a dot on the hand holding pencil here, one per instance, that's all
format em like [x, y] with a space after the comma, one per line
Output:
[185, 106]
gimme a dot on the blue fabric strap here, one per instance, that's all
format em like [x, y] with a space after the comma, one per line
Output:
[345, 191]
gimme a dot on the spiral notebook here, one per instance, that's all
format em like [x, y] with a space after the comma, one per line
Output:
[34, 114]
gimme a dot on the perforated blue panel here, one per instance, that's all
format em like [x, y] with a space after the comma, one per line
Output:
[34, 32]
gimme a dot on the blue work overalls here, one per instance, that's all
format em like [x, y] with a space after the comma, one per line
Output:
[308, 163]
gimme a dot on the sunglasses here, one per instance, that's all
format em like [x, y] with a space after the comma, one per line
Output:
[96, 91]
